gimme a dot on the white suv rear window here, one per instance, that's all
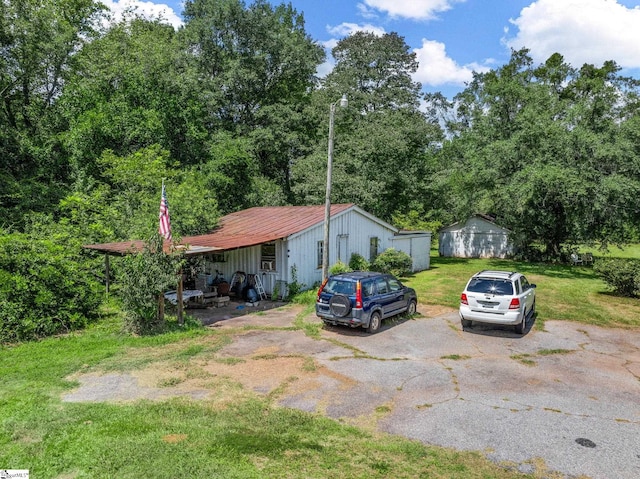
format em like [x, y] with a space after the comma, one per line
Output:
[490, 286]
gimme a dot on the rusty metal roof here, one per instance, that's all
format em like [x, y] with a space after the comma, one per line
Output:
[244, 228]
[261, 225]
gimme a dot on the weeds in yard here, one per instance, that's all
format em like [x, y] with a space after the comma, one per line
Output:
[524, 359]
[170, 382]
[456, 357]
[549, 352]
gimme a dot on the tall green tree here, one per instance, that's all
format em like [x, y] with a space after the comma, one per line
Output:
[382, 139]
[256, 66]
[38, 44]
[376, 71]
[132, 90]
[134, 181]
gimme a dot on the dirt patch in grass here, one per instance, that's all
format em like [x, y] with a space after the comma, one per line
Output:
[221, 380]
[174, 438]
[222, 368]
[434, 310]
[227, 367]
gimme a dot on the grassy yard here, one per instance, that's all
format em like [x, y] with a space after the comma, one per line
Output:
[630, 251]
[571, 293]
[239, 434]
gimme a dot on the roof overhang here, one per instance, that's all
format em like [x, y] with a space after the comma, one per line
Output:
[247, 228]
[132, 247]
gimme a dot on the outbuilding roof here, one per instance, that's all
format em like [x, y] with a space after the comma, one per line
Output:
[486, 218]
[244, 228]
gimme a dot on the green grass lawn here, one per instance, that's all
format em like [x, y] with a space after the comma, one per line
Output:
[571, 293]
[629, 251]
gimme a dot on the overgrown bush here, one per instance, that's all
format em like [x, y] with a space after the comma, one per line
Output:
[359, 263]
[144, 277]
[623, 275]
[393, 261]
[338, 268]
[45, 289]
[307, 297]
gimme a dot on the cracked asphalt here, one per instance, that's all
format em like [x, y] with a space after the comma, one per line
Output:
[567, 397]
[563, 400]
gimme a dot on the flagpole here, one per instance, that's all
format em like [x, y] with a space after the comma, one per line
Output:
[164, 229]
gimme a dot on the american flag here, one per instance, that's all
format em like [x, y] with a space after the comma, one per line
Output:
[165, 222]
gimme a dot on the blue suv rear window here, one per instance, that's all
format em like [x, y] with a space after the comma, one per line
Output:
[337, 286]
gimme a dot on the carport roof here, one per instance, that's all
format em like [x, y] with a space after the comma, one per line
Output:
[244, 228]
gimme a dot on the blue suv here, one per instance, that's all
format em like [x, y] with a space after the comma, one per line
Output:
[363, 298]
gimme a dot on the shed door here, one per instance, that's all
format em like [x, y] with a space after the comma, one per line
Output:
[343, 248]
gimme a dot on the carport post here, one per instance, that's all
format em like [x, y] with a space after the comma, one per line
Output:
[179, 299]
[106, 272]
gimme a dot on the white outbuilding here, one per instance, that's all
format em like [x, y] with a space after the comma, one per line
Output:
[477, 237]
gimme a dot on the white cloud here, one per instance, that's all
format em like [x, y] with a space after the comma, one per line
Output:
[583, 31]
[437, 69]
[414, 9]
[366, 12]
[341, 31]
[146, 9]
[346, 29]
[325, 68]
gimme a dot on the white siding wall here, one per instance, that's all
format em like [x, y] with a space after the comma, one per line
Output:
[351, 229]
[359, 229]
[418, 246]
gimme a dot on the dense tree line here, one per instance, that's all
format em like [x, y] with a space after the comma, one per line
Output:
[228, 110]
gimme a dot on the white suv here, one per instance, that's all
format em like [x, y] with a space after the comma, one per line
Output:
[498, 297]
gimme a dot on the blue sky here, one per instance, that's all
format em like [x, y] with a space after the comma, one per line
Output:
[453, 38]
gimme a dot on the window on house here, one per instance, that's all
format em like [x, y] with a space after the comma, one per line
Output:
[268, 257]
[373, 248]
[320, 251]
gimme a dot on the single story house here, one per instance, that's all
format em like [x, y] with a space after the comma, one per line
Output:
[477, 237]
[282, 244]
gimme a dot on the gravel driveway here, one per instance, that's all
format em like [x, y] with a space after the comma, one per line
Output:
[565, 399]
